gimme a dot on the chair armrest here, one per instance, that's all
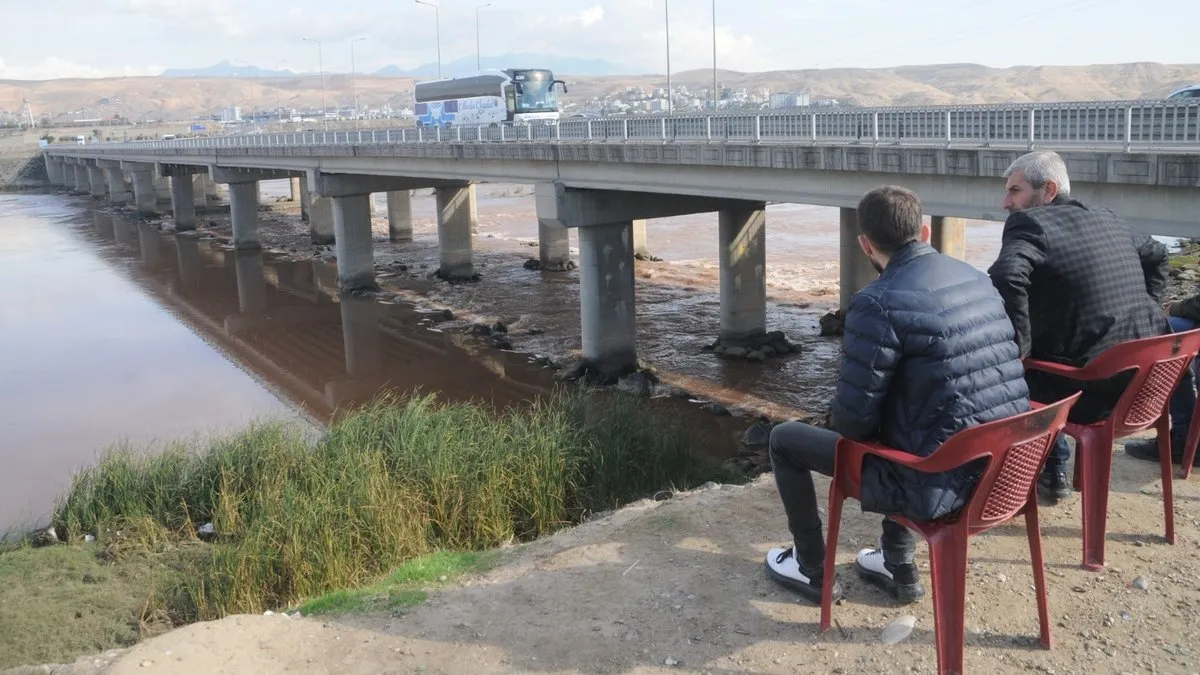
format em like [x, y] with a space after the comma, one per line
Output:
[1055, 368]
[912, 461]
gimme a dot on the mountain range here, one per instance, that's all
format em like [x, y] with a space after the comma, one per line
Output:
[560, 64]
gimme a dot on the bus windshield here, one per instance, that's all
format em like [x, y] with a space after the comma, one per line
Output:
[535, 91]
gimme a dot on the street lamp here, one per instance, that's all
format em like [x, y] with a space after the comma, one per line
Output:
[278, 106]
[478, 58]
[321, 70]
[437, 27]
[715, 95]
[667, 21]
[353, 79]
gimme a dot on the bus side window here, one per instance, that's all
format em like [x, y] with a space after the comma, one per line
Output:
[510, 99]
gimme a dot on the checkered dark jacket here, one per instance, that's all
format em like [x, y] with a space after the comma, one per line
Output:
[1077, 280]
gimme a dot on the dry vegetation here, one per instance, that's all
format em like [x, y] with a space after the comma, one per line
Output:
[144, 98]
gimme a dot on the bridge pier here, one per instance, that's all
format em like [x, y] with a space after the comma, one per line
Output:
[606, 297]
[144, 196]
[456, 216]
[399, 206]
[294, 184]
[320, 221]
[949, 235]
[243, 213]
[554, 246]
[353, 242]
[183, 202]
[855, 267]
[305, 199]
[118, 191]
[199, 190]
[743, 261]
[641, 249]
[82, 182]
[96, 181]
[162, 189]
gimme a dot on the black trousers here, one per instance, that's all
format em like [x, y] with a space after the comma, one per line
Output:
[797, 450]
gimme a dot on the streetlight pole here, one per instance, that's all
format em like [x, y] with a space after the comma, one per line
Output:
[667, 15]
[715, 95]
[437, 21]
[354, 79]
[478, 57]
[279, 74]
[321, 70]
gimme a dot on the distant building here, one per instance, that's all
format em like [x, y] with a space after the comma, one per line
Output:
[785, 100]
[231, 114]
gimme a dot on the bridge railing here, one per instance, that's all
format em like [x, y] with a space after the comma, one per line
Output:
[1106, 125]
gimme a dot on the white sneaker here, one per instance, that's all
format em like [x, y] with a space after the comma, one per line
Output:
[871, 567]
[784, 568]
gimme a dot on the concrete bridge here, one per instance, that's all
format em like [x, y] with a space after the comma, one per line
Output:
[606, 177]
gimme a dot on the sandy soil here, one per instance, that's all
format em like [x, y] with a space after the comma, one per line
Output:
[679, 585]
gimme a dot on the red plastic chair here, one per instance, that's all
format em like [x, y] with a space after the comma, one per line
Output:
[1017, 448]
[1157, 365]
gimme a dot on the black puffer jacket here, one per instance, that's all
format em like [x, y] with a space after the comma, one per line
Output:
[929, 351]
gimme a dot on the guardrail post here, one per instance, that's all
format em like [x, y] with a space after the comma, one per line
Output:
[708, 127]
[502, 132]
[626, 129]
[589, 130]
[439, 133]
[420, 134]
[1128, 129]
[1031, 135]
[458, 134]
[948, 132]
[663, 125]
[757, 128]
[812, 127]
[875, 127]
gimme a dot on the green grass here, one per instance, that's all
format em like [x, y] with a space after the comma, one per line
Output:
[405, 587]
[1180, 260]
[398, 480]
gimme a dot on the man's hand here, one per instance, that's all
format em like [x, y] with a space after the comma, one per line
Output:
[1167, 307]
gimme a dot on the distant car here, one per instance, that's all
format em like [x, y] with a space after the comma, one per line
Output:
[1192, 92]
[81, 140]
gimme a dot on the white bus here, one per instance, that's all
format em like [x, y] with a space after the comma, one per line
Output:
[491, 97]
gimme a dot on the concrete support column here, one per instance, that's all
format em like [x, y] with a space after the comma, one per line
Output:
[320, 221]
[606, 297]
[399, 206]
[200, 190]
[162, 189]
[52, 170]
[251, 286]
[856, 269]
[82, 181]
[354, 246]
[305, 199]
[96, 182]
[640, 248]
[456, 222]
[144, 195]
[743, 256]
[949, 235]
[243, 211]
[118, 191]
[554, 246]
[294, 183]
[183, 203]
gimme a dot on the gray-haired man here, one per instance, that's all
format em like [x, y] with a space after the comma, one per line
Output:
[1076, 280]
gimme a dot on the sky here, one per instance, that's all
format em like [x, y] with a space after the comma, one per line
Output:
[97, 38]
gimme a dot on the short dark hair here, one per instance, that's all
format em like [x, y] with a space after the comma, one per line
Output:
[890, 216]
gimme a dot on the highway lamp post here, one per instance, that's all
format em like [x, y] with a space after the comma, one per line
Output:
[321, 71]
[478, 53]
[278, 105]
[437, 23]
[667, 23]
[715, 95]
[354, 79]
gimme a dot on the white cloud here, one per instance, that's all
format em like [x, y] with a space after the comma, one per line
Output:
[54, 68]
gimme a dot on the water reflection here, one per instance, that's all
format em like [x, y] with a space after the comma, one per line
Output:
[286, 323]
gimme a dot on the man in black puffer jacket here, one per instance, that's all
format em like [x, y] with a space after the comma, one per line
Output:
[929, 350]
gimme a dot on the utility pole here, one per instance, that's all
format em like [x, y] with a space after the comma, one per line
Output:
[437, 22]
[354, 79]
[478, 57]
[667, 14]
[716, 97]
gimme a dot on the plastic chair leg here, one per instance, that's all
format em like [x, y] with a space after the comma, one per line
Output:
[1034, 531]
[948, 567]
[1193, 439]
[1168, 486]
[1095, 462]
[831, 544]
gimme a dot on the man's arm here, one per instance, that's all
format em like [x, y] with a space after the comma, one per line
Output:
[871, 355]
[1188, 308]
[1022, 250]
[1153, 255]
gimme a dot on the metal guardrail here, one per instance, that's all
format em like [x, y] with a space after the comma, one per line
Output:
[1103, 125]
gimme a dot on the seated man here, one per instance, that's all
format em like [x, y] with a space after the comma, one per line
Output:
[1183, 315]
[1076, 280]
[929, 351]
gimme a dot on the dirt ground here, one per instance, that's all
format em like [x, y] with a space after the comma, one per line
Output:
[678, 585]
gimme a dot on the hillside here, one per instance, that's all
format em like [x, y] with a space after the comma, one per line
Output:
[144, 98]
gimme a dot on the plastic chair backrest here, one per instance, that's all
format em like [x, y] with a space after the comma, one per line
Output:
[1157, 365]
[1017, 447]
